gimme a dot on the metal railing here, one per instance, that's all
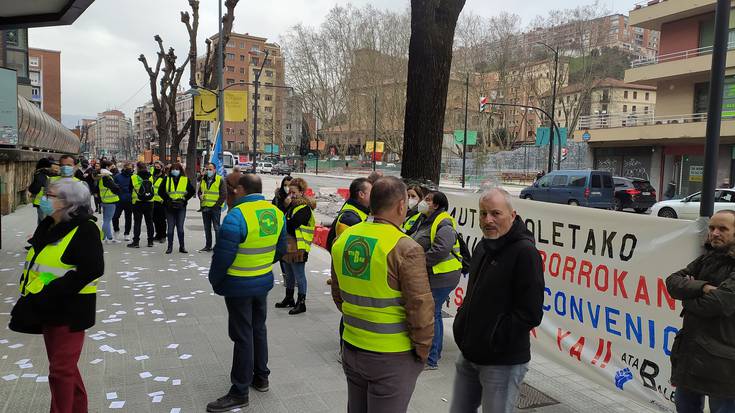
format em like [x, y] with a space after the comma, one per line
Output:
[680, 55]
[632, 119]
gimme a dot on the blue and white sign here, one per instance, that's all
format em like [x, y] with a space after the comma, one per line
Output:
[586, 136]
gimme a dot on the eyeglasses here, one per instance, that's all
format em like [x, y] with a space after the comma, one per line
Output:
[51, 196]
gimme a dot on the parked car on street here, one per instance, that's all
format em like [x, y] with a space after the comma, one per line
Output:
[264, 167]
[688, 208]
[588, 188]
[281, 168]
[635, 193]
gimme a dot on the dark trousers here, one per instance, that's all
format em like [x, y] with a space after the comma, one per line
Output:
[175, 219]
[63, 348]
[141, 211]
[379, 383]
[246, 326]
[159, 220]
[121, 207]
[211, 218]
[692, 402]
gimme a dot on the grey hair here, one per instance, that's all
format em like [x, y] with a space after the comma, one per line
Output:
[492, 191]
[236, 168]
[75, 195]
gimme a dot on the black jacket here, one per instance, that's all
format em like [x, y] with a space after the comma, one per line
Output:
[703, 353]
[504, 300]
[59, 302]
[40, 178]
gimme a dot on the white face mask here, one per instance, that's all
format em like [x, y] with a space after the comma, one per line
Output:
[423, 207]
[285, 188]
[412, 202]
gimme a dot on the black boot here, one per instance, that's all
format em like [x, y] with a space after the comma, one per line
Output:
[288, 301]
[300, 305]
[169, 249]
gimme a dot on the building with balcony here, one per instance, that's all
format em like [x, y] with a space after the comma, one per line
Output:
[668, 144]
[44, 71]
[113, 136]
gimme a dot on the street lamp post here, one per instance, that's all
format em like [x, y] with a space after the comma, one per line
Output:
[256, 84]
[554, 131]
[221, 84]
[464, 140]
[375, 128]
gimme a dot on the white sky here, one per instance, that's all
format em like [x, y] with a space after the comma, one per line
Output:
[99, 51]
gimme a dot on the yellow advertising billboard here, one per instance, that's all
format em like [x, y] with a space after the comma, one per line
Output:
[379, 149]
[236, 105]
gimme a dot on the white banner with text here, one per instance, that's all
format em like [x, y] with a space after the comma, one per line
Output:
[607, 313]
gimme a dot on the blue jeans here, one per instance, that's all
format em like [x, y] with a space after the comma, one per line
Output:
[247, 330]
[108, 211]
[296, 276]
[175, 219]
[496, 388]
[440, 297]
[688, 401]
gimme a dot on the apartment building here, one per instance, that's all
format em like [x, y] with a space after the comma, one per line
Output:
[293, 114]
[669, 146]
[244, 57]
[44, 71]
[113, 136]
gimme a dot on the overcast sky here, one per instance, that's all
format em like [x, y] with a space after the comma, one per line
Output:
[99, 66]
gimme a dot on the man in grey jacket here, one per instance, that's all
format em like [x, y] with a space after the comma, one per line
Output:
[703, 353]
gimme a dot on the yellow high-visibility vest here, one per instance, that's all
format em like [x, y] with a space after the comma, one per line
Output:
[453, 262]
[255, 255]
[304, 233]
[156, 185]
[347, 207]
[48, 266]
[178, 191]
[210, 195]
[137, 181]
[374, 313]
[106, 194]
[411, 221]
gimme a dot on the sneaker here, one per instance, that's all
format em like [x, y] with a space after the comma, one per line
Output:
[205, 249]
[115, 241]
[228, 402]
[430, 367]
[260, 384]
[133, 245]
[127, 237]
[106, 241]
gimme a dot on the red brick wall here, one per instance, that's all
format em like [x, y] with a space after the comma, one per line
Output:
[681, 35]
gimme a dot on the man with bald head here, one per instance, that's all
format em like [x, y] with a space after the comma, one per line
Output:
[252, 237]
[505, 296]
[703, 352]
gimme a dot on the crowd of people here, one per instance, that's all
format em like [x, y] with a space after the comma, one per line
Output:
[395, 257]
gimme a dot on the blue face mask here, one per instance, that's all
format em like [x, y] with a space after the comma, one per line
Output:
[210, 174]
[66, 170]
[47, 207]
[175, 172]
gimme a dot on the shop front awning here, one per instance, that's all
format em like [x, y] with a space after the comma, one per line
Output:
[18, 14]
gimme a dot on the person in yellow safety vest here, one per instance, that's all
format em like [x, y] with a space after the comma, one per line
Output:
[437, 235]
[413, 216]
[142, 192]
[212, 194]
[300, 227]
[252, 238]
[108, 192]
[38, 184]
[58, 285]
[176, 190]
[355, 210]
[380, 284]
[159, 210]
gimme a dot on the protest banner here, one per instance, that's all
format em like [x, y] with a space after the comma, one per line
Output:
[607, 313]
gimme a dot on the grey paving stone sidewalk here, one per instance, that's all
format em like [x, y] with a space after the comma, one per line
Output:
[160, 342]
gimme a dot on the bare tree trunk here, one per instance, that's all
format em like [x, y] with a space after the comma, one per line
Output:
[192, 28]
[429, 64]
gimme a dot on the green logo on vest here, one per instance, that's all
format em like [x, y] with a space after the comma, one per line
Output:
[356, 257]
[268, 222]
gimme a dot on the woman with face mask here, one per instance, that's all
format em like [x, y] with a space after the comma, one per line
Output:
[281, 194]
[300, 232]
[437, 235]
[58, 286]
[176, 191]
[413, 216]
